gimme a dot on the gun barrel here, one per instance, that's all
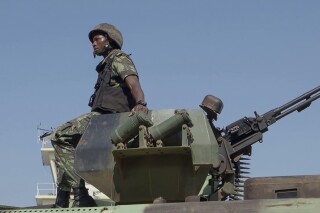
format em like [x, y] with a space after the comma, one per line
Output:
[299, 103]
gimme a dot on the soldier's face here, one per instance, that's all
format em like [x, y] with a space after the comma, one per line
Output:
[98, 43]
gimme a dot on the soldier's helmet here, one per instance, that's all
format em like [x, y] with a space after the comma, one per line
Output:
[113, 33]
[212, 105]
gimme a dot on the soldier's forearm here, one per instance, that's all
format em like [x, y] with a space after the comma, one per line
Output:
[135, 88]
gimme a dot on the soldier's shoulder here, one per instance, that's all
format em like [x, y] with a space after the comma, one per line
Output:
[121, 56]
[118, 53]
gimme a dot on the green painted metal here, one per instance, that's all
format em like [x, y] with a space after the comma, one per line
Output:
[141, 174]
[301, 205]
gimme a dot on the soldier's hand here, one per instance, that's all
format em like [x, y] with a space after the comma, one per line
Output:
[137, 108]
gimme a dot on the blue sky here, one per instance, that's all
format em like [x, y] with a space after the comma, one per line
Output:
[254, 55]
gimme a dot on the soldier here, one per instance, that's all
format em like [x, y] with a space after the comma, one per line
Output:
[117, 90]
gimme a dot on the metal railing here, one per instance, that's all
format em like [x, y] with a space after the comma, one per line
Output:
[46, 189]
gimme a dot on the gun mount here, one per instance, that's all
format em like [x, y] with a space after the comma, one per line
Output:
[173, 154]
[145, 170]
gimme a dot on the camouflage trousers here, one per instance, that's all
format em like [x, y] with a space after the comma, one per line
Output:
[64, 141]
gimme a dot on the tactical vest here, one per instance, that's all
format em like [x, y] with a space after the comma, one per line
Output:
[107, 97]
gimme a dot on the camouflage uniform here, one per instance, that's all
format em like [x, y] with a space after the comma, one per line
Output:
[66, 137]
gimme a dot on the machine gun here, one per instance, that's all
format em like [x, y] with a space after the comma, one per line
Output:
[247, 131]
[236, 139]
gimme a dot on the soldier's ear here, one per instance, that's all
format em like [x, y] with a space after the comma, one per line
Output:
[107, 37]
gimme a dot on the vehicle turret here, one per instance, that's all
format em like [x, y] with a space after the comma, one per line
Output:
[174, 155]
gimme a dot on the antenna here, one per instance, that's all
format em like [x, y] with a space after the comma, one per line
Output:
[44, 135]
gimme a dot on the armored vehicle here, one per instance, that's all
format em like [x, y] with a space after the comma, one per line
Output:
[179, 161]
